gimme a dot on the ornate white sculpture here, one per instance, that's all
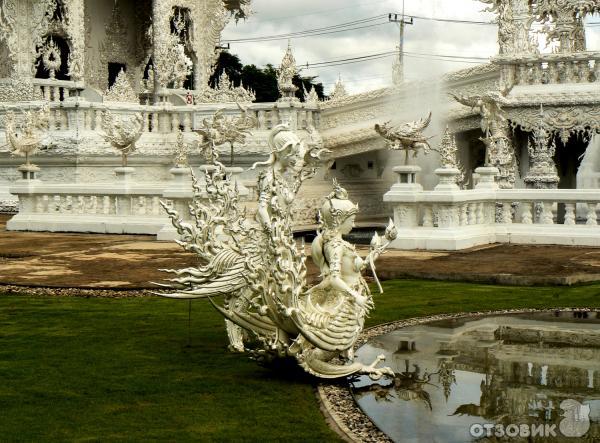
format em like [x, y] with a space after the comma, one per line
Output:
[260, 270]
[406, 136]
[222, 130]
[285, 75]
[182, 67]
[225, 91]
[51, 60]
[499, 149]
[122, 131]
[542, 172]
[448, 151]
[339, 90]
[25, 139]
[311, 97]
[121, 90]
[181, 152]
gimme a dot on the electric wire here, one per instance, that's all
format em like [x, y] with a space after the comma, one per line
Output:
[341, 27]
[348, 26]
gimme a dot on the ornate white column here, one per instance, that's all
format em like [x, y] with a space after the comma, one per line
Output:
[209, 22]
[522, 19]
[75, 24]
[161, 13]
[22, 25]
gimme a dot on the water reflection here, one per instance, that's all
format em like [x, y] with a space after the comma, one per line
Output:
[508, 369]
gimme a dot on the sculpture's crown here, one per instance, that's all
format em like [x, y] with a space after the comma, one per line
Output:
[337, 206]
[281, 138]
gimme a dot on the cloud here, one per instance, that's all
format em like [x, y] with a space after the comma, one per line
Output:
[423, 37]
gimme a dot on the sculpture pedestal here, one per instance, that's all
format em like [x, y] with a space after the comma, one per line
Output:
[125, 174]
[407, 178]
[447, 179]
[182, 176]
[487, 178]
[28, 172]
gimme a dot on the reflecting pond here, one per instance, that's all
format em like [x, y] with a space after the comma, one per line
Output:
[456, 378]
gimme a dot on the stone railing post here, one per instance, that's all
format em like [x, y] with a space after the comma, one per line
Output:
[487, 178]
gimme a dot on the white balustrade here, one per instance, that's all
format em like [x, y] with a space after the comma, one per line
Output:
[102, 208]
[55, 90]
[581, 67]
[458, 219]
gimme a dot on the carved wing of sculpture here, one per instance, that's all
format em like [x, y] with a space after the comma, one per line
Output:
[470, 101]
[412, 130]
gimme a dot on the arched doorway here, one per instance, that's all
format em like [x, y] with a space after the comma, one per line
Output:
[568, 159]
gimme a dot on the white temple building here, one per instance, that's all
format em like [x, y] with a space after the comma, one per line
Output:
[533, 115]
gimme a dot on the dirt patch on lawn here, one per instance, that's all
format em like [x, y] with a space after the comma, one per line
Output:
[132, 261]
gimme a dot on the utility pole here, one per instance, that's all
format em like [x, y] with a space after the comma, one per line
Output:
[402, 21]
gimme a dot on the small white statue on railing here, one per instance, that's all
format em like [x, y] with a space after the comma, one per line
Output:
[406, 137]
[260, 269]
[122, 131]
[222, 130]
[448, 151]
[25, 139]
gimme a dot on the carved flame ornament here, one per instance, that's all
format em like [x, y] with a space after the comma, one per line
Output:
[25, 138]
[122, 131]
[259, 270]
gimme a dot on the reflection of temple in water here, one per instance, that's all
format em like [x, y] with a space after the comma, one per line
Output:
[528, 364]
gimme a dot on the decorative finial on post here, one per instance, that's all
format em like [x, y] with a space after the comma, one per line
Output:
[339, 90]
[451, 174]
[285, 76]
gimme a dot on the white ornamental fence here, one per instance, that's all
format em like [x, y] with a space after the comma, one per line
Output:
[448, 218]
[123, 207]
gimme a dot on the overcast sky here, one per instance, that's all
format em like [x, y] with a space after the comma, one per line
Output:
[274, 17]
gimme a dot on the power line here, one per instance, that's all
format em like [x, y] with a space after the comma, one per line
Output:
[349, 26]
[364, 57]
[316, 31]
[380, 55]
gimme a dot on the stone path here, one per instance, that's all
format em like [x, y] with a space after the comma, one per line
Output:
[128, 261]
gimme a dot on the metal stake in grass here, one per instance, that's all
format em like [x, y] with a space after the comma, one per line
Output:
[189, 343]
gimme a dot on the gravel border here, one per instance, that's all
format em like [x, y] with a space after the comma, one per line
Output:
[336, 400]
[76, 292]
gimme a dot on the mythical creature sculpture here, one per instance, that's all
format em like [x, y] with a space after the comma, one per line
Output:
[25, 139]
[406, 136]
[260, 270]
[122, 132]
[489, 106]
[222, 129]
[499, 150]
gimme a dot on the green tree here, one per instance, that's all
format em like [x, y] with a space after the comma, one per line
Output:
[263, 81]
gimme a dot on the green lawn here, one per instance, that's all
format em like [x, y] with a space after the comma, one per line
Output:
[74, 369]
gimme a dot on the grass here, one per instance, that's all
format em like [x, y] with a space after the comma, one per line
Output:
[76, 369]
